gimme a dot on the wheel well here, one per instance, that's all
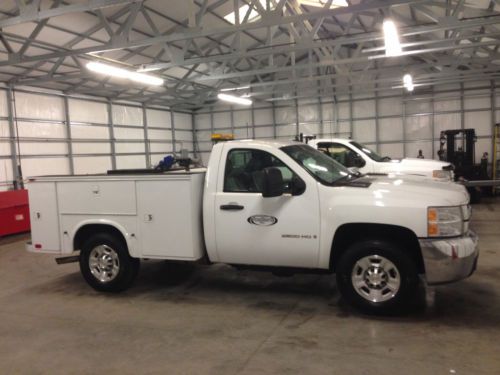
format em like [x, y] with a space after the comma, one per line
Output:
[90, 229]
[348, 234]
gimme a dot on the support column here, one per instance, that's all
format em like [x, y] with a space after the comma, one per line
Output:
[111, 135]
[493, 122]
[172, 126]
[212, 120]
[433, 126]
[320, 113]
[462, 107]
[334, 123]
[69, 140]
[195, 138]
[403, 112]
[350, 115]
[231, 113]
[13, 135]
[275, 130]
[297, 125]
[253, 123]
[377, 127]
[147, 145]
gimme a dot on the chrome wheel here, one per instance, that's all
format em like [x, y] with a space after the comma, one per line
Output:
[375, 278]
[104, 263]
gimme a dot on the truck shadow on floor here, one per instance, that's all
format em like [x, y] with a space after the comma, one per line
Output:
[474, 303]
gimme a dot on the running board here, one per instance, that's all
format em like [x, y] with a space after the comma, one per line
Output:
[70, 259]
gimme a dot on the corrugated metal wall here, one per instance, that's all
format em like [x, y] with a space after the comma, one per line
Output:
[397, 124]
[101, 135]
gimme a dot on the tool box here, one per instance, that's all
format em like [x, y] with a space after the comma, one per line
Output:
[14, 212]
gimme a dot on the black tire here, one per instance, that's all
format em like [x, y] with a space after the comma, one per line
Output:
[124, 267]
[370, 252]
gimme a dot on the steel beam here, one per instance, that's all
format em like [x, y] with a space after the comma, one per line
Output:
[33, 14]
[196, 32]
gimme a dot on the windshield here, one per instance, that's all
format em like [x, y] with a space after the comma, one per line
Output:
[321, 167]
[370, 153]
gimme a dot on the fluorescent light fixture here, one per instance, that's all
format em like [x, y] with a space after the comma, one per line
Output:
[242, 11]
[408, 82]
[114, 71]
[234, 99]
[391, 38]
[235, 88]
[321, 3]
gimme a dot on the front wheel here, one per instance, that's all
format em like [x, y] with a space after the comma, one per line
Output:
[377, 276]
[106, 265]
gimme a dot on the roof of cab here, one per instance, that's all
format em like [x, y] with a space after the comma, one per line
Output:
[342, 140]
[266, 142]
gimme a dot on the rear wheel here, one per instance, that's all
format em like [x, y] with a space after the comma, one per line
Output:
[377, 276]
[106, 265]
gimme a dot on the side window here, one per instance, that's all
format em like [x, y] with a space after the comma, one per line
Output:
[244, 168]
[343, 154]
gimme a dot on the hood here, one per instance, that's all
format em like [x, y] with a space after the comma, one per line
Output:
[405, 190]
[422, 167]
[425, 190]
[425, 164]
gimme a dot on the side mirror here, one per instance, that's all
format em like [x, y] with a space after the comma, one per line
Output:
[297, 186]
[272, 185]
[359, 162]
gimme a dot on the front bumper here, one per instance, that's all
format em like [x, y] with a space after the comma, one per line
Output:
[447, 260]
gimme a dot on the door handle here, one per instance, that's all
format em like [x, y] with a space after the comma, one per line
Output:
[231, 207]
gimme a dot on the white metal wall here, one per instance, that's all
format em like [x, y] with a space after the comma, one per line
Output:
[100, 136]
[397, 124]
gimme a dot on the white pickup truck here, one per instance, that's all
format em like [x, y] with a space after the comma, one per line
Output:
[279, 206]
[353, 154]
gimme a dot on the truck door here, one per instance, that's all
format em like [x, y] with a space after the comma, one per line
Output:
[251, 229]
[345, 155]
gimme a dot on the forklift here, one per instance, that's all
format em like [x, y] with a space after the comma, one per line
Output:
[457, 146]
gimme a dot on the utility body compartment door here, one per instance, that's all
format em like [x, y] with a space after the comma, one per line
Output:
[44, 217]
[253, 230]
[169, 218]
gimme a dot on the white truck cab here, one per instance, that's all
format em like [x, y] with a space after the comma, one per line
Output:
[267, 205]
[353, 154]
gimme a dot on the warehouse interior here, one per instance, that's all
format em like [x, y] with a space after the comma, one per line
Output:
[290, 67]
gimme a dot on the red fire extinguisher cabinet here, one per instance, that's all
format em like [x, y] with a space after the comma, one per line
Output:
[14, 212]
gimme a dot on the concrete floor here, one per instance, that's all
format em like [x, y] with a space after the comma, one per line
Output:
[214, 320]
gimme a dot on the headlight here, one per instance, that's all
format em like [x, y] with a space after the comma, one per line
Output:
[445, 221]
[442, 174]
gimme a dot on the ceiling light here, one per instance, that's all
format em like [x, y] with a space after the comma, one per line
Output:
[235, 88]
[391, 37]
[321, 3]
[234, 99]
[408, 82]
[114, 71]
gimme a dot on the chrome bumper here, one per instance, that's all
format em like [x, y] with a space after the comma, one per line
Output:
[447, 260]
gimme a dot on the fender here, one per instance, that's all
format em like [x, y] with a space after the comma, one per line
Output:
[128, 235]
